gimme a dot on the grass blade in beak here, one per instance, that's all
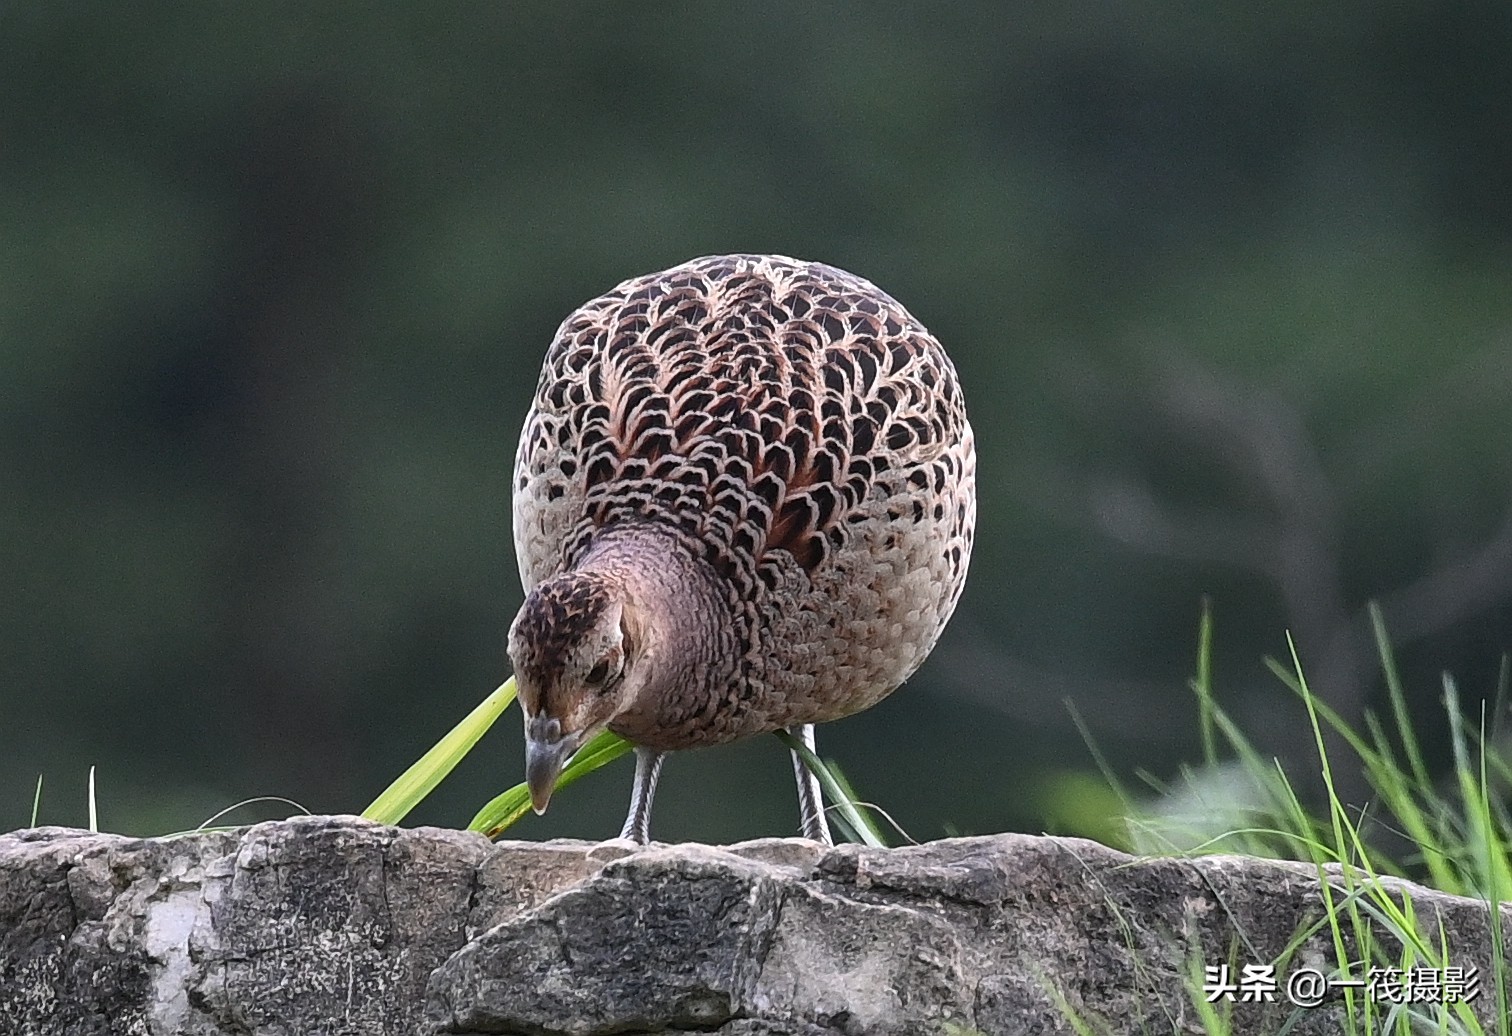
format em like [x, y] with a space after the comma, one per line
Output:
[503, 810]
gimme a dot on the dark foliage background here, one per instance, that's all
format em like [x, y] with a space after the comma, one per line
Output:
[1227, 284]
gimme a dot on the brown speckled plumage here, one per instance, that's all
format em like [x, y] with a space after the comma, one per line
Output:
[746, 484]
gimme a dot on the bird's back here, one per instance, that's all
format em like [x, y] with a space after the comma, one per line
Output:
[796, 429]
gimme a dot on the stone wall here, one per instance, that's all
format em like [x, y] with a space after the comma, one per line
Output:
[331, 925]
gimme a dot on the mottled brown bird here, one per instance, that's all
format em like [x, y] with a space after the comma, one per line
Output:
[744, 500]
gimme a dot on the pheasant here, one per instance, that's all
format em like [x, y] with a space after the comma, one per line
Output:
[744, 500]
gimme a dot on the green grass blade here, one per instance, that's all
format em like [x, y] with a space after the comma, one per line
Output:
[1496, 878]
[848, 817]
[1202, 685]
[868, 809]
[209, 825]
[1404, 801]
[1099, 759]
[36, 801]
[210, 822]
[1341, 845]
[1398, 698]
[504, 810]
[414, 784]
[1503, 686]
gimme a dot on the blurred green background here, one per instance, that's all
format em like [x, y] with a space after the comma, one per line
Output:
[1227, 284]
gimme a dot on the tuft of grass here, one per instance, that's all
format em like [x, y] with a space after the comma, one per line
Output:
[1459, 831]
[503, 810]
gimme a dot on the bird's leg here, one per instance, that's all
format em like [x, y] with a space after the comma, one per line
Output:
[638, 822]
[810, 800]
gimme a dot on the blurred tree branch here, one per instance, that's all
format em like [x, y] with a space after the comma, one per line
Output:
[1292, 535]
[969, 665]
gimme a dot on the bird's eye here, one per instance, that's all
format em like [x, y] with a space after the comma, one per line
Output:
[597, 675]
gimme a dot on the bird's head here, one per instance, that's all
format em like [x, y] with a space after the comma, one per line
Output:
[572, 648]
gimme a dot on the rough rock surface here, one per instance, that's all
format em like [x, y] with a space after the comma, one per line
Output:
[333, 925]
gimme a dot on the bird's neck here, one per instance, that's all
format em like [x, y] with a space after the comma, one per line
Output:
[677, 614]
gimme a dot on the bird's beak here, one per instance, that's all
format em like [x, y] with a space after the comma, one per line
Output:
[547, 750]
